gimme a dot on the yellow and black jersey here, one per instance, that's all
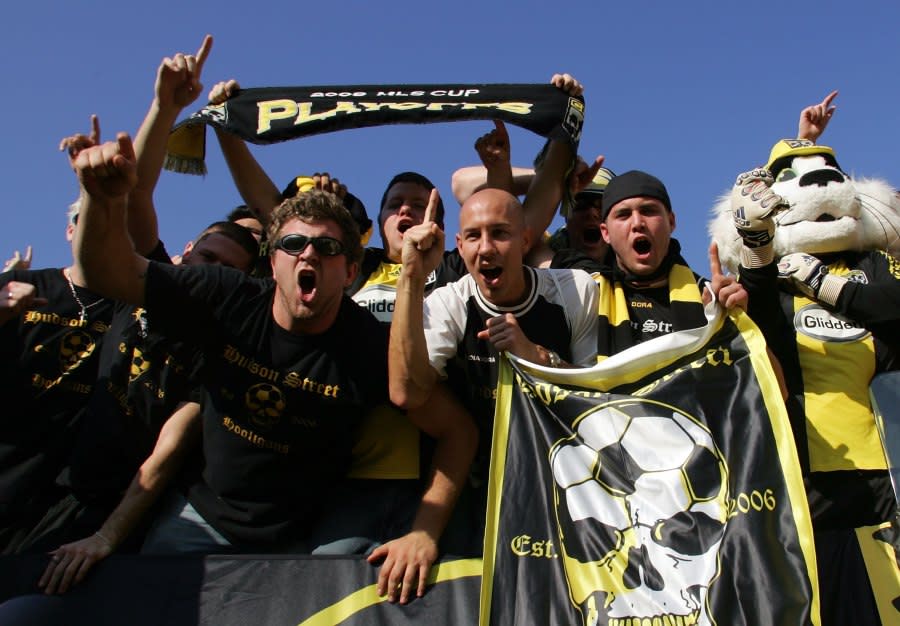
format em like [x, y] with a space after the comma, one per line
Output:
[829, 357]
[388, 446]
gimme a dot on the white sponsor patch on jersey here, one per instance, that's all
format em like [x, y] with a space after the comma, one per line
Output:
[379, 300]
[818, 323]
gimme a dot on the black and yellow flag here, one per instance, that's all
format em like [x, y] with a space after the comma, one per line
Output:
[659, 487]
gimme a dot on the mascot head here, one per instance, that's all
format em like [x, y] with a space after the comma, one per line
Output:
[828, 213]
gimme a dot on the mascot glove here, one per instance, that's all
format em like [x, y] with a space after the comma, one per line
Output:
[810, 276]
[753, 204]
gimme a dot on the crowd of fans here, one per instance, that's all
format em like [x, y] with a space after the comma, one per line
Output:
[280, 388]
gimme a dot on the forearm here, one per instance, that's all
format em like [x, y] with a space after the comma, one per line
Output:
[445, 419]
[875, 303]
[763, 304]
[547, 187]
[175, 438]
[104, 252]
[256, 188]
[411, 375]
[150, 150]
[468, 180]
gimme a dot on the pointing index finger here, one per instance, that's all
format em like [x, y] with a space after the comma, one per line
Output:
[829, 98]
[431, 208]
[203, 52]
[715, 266]
[95, 129]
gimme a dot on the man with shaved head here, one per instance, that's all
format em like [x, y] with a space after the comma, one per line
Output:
[544, 316]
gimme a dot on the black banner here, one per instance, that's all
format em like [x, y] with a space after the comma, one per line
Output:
[272, 114]
[659, 487]
[235, 591]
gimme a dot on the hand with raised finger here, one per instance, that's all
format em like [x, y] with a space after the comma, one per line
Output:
[583, 174]
[70, 563]
[493, 147]
[178, 77]
[807, 275]
[223, 90]
[423, 244]
[108, 171]
[407, 561]
[728, 291]
[18, 262]
[567, 83]
[814, 119]
[73, 144]
[753, 206]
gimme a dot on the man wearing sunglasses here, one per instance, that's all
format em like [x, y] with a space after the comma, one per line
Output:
[291, 364]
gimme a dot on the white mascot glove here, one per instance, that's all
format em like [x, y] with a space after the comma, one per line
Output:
[753, 204]
[810, 276]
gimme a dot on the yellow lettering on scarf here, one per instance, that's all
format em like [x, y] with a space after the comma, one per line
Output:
[274, 110]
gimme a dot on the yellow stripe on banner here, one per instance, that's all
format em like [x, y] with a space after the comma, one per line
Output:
[884, 575]
[787, 451]
[495, 485]
[368, 596]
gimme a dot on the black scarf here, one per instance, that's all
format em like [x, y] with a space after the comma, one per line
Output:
[274, 114]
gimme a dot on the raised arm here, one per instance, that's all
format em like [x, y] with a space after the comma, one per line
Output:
[256, 188]
[467, 180]
[177, 85]
[104, 253]
[549, 183]
[814, 119]
[411, 375]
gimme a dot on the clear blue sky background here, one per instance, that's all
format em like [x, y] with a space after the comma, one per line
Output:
[693, 92]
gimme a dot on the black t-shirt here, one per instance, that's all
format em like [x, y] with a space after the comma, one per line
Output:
[143, 376]
[48, 365]
[279, 409]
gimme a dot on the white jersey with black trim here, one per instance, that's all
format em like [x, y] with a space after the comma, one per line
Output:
[569, 296]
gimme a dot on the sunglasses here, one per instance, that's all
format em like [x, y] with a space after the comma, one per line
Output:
[584, 204]
[295, 244]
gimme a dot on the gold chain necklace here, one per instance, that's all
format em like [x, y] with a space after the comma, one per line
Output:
[83, 315]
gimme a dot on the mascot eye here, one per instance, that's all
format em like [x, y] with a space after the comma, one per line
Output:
[785, 174]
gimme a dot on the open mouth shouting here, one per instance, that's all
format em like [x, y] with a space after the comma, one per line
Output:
[491, 275]
[404, 225]
[642, 247]
[307, 283]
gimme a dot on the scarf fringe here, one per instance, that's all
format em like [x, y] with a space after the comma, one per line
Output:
[184, 165]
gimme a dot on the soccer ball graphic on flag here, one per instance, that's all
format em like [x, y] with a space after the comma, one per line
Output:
[641, 496]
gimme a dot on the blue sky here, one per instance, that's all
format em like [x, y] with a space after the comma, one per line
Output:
[693, 92]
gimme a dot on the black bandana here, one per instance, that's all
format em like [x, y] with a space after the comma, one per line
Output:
[274, 114]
